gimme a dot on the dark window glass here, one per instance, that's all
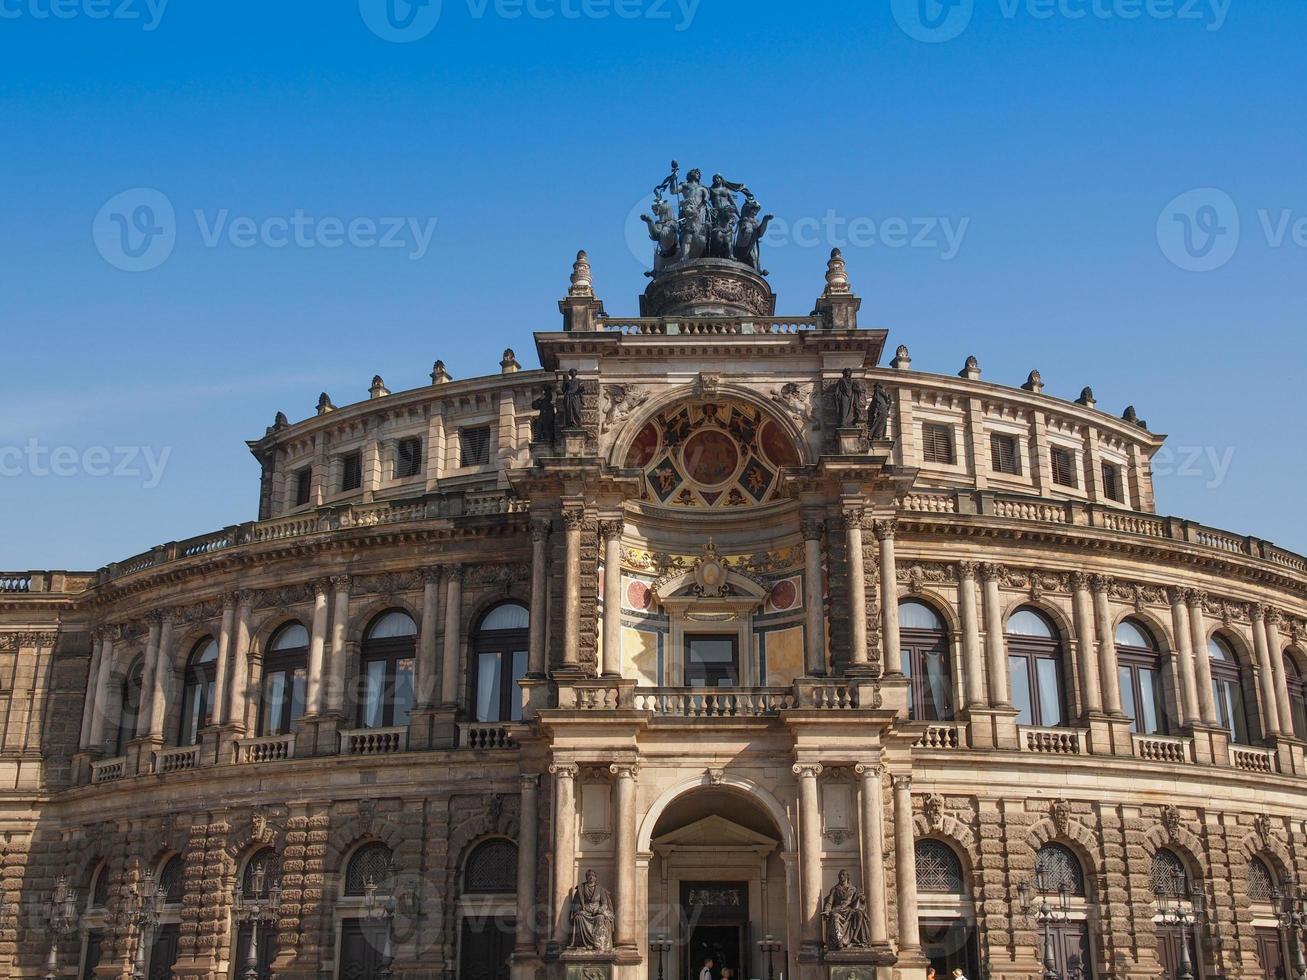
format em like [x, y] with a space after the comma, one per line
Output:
[285, 679]
[408, 458]
[1035, 670]
[1139, 671]
[938, 868]
[1227, 688]
[491, 869]
[937, 443]
[1113, 487]
[172, 879]
[1056, 867]
[371, 862]
[303, 486]
[475, 446]
[924, 643]
[1064, 467]
[130, 714]
[1005, 453]
[499, 649]
[100, 887]
[386, 671]
[197, 693]
[1297, 696]
[712, 661]
[351, 471]
[262, 871]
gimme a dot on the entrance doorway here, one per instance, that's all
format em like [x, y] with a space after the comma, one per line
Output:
[1270, 953]
[717, 926]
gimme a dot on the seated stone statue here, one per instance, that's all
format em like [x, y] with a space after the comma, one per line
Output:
[845, 916]
[592, 916]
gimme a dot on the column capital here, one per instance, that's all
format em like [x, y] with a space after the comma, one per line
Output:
[1195, 597]
[1273, 616]
[903, 782]
[341, 583]
[247, 598]
[1080, 581]
[321, 588]
[527, 781]
[431, 574]
[886, 529]
[853, 518]
[563, 770]
[992, 571]
[1175, 595]
[812, 529]
[625, 770]
[968, 569]
[230, 600]
[1101, 584]
[1257, 611]
[873, 770]
[574, 517]
[540, 528]
[454, 573]
[154, 618]
[807, 770]
[611, 528]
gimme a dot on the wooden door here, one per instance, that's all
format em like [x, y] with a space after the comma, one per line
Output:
[360, 950]
[267, 950]
[163, 954]
[1270, 954]
[94, 944]
[485, 948]
[1071, 951]
[1168, 952]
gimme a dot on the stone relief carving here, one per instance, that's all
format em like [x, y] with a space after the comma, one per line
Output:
[620, 401]
[933, 808]
[1170, 819]
[797, 401]
[1060, 812]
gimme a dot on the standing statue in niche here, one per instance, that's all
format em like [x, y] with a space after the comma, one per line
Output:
[544, 427]
[592, 916]
[569, 403]
[878, 414]
[848, 396]
[845, 916]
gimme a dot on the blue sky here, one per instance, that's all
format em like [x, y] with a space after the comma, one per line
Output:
[1055, 138]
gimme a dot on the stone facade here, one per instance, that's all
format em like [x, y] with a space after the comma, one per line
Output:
[689, 646]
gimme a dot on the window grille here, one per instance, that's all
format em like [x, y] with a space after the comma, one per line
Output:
[100, 888]
[408, 458]
[1004, 454]
[937, 443]
[475, 446]
[938, 868]
[371, 862]
[1261, 883]
[492, 869]
[351, 472]
[1056, 867]
[1168, 875]
[173, 879]
[1064, 467]
[303, 486]
[270, 863]
[1112, 488]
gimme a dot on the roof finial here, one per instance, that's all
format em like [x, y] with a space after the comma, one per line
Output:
[582, 284]
[378, 389]
[837, 276]
[1087, 398]
[324, 404]
[439, 375]
[970, 370]
[1034, 383]
[509, 363]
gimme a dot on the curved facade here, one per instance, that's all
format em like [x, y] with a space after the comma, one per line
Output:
[679, 626]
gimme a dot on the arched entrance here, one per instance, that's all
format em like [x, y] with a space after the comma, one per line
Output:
[718, 883]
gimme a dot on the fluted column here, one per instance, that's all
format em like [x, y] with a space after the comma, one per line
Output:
[1202, 659]
[573, 521]
[162, 676]
[151, 664]
[99, 714]
[814, 629]
[611, 533]
[905, 866]
[240, 670]
[810, 851]
[853, 522]
[92, 684]
[1184, 655]
[317, 646]
[1000, 693]
[428, 671]
[1101, 584]
[564, 844]
[335, 695]
[890, 639]
[453, 635]
[873, 847]
[1082, 602]
[1265, 671]
[1275, 648]
[973, 661]
[527, 832]
[624, 852]
[226, 637]
[539, 596]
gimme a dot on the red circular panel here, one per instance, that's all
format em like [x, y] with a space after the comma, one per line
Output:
[776, 444]
[639, 596]
[784, 594]
[644, 448]
[710, 457]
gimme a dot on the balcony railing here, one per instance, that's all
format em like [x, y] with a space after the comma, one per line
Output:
[1252, 759]
[707, 702]
[488, 736]
[374, 741]
[269, 748]
[1163, 748]
[942, 736]
[177, 760]
[711, 326]
[107, 770]
[1053, 741]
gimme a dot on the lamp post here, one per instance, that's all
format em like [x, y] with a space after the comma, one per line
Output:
[61, 918]
[380, 908]
[143, 910]
[662, 945]
[1291, 912]
[262, 905]
[771, 947]
[1175, 911]
[1035, 904]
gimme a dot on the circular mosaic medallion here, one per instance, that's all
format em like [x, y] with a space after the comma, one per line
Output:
[639, 596]
[783, 595]
[710, 457]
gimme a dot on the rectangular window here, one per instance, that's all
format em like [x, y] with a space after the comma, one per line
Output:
[351, 471]
[475, 446]
[374, 693]
[1064, 467]
[1004, 453]
[1112, 484]
[712, 661]
[408, 458]
[303, 486]
[937, 443]
[402, 698]
[1019, 674]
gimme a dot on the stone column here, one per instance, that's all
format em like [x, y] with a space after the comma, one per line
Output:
[853, 521]
[151, 664]
[226, 637]
[162, 676]
[428, 670]
[240, 672]
[317, 645]
[1101, 584]
[528, 825]
[890, 640]
[1275, 648]
[973, 661]
[539, 596]
[810, 852]
[100, 700]
[624, 853]
[1184, 656]
[1082, 602]
[905, 866]
[873, 848]
[92, 686]
[1266, 672]
[335, 695]
[564, 844]
[573, 519]
[1000, 694]
[814, 628]
[453, 635]
[611, 533]
[1202, 660]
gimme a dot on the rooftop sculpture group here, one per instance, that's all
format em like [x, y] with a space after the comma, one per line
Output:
[710, 223]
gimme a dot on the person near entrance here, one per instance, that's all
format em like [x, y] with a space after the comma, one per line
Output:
[706, 972]
[958, 974]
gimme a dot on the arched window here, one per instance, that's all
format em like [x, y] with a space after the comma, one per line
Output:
[262, 871]
[1297, 695]
[1139, 669]
[285, 679]
[386, 673]
[938, 869]
[1227, 688]
[371, 863]
[491, 869]
[1261, 882]
[1168, 875]
[499, 647]
[172, 879]
[100, 888]
[1057, 868]
[1035, 668]
[130, 701]
[197, 694]
[924, 642]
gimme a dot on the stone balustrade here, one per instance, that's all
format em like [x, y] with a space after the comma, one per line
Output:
[269, 748]
[108, 770]
[709, 326]
[1163, 748]
[488, 736]
[1053, 741]
[940, 736]
[180, 759]
[374, 741]
[714, 702]
[1252, 758]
